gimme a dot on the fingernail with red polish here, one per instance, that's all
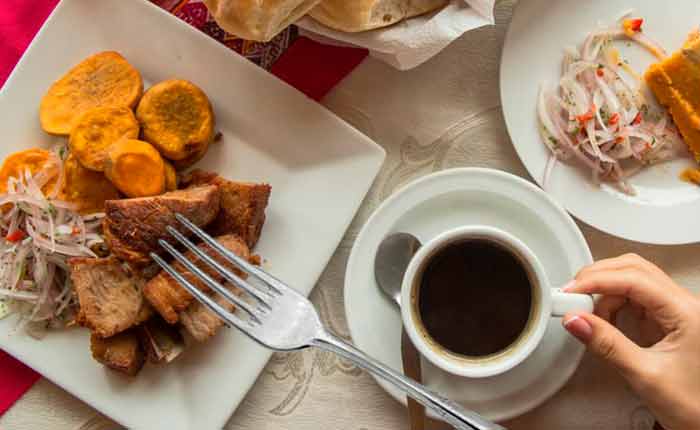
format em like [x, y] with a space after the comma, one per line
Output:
[569, 286]
[580, 328]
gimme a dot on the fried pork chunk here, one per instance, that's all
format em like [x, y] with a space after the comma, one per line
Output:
[121, 352]
[170, 299]
[132, 227]
[243, 205]
[111, 297]
[200, 322]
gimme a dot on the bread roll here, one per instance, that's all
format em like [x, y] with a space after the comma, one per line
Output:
[259, 20]
[360, 15]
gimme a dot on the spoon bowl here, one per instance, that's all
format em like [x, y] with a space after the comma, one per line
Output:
[390, 263]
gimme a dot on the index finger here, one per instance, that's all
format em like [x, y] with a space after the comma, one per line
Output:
[660, 299]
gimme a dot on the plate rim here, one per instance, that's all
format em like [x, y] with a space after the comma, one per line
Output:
[501, 175]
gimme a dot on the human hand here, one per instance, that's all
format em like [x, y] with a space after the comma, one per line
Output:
[666, 375]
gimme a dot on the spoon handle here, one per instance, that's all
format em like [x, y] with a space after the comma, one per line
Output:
[412, 369]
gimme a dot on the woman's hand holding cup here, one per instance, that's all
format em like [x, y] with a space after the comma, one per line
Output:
[666, 375]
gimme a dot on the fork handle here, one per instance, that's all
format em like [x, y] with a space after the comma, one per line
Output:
[448, 411]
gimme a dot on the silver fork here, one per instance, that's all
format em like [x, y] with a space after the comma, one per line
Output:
[278, 317]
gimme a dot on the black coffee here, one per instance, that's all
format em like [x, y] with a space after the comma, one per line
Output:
[474, 298]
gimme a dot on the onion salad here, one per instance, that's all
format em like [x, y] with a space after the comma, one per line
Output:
[39, 232]
[598, 115]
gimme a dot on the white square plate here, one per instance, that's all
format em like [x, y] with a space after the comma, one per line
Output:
[319, 167]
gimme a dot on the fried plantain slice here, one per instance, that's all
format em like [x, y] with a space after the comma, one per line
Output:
[170, 177]
[103, 79]
[34, 160]
[96, 130]
[190, 161]
[136, 168]
[86, 188]
[177, 119]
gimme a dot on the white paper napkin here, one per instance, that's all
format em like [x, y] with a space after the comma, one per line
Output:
[414, 41]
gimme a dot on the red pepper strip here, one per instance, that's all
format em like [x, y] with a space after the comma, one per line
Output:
[583, 119]
[599, 71]
[637, 119]
[614, 119]
[16, 236]
[636, 24]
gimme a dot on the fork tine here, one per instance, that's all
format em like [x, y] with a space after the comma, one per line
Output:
[222, 313]
[227, 274]
[209, 281]
[273, 283]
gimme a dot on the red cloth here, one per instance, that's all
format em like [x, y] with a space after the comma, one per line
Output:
[314, 68]
[19, 22]
[15, 380]
[311, 67]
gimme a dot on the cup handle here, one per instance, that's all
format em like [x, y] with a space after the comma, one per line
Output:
[563, 303]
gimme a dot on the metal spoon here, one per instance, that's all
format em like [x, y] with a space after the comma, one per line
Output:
[391, 261]
[390, 264]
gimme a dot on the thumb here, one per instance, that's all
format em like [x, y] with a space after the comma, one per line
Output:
[605, 341]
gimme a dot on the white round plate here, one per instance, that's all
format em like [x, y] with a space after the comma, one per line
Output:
[459, 197]
[665, 209]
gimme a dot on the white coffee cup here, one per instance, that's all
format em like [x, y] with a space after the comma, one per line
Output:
[547, 302]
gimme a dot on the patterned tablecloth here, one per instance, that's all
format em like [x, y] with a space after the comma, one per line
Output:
[443, 114]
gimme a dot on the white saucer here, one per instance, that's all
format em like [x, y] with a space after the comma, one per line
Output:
[443, 201]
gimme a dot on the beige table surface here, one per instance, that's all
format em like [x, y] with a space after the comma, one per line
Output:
[443, 114]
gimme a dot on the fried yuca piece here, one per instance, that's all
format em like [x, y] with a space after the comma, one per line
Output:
[84, 187]
[177, 119]
[97, 129]
[103, 79]
[136, 168]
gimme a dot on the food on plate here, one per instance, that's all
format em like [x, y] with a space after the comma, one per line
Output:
[199, 322]
[110, 297]
[86, 189]
[161, 341]
[675, 82]
[362, 15]
[136, 168]
[170, 299]
[39, 234]
[243, 205]
[34, 160]
[177, 118]
[132, 227]
[103, 79]
[257, 20]
[598, 114]
[170, 177]
[121, 352]
[78, 221]
[96, 130]
[190, 161]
